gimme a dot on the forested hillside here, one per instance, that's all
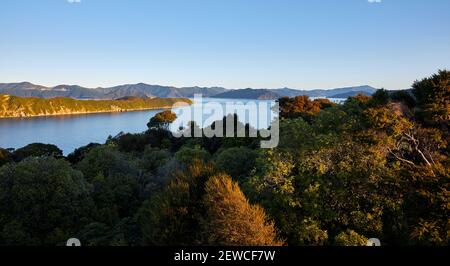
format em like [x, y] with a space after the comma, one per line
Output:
[13, 106]
[373, 167]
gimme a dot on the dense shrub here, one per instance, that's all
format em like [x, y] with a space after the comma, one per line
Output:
[43, 202]
[5, 156]
[36, 150]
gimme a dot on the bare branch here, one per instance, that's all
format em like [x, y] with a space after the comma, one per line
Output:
[400, 158]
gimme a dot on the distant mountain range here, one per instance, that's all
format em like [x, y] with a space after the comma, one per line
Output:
[259, 94]
[329, 93]
[271, 94]
[26, 89]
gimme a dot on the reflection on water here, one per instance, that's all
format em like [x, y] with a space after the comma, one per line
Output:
[73, 131]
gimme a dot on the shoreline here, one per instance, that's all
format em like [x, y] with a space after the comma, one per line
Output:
[13, 107]
[87, 113]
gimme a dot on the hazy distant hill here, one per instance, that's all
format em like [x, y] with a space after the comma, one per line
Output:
[259, 94]
[272, 94]
[13, 106]
[330, 93]
[26, 89]
[350, 94]
[142, 89]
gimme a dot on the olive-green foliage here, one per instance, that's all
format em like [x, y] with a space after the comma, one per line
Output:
[156, 138]
[106, 160]
[237, 162]
[380, 98]
[43, 202]
[123, 233]
[189, 212]
[13, 106]
[296, 134]
[404, 97]
[153, 158]
[373, 167]
[118, 183]
[366, 168]
[272, 186]
[79, 154]
[350, 238]
[315, 188]
[173, 216]
[187, 155]
[427, 206]
[36, 150]
[5, 157]
[433, 98]
[309, 233]
[133, 142]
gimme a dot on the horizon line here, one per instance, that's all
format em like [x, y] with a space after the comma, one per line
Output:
[183, 87]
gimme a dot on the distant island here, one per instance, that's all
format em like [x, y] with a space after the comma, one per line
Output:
[13, 106]
[142, 90]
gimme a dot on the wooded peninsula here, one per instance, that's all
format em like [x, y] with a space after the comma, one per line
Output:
[13, 106]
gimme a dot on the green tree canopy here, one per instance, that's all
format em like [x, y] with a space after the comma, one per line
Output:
[433, 98]
[118, 183]
[36, 150]
[237, 161]
[350, 238]
[43, 202]
[162, 120]
[173, 216]
[5, 157]
[380, 97]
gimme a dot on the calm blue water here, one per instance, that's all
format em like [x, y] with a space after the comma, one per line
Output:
[73, 131]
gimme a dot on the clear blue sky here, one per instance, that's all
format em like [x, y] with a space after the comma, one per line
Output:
[230, 43]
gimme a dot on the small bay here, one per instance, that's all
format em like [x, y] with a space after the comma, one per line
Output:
[69, 132]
